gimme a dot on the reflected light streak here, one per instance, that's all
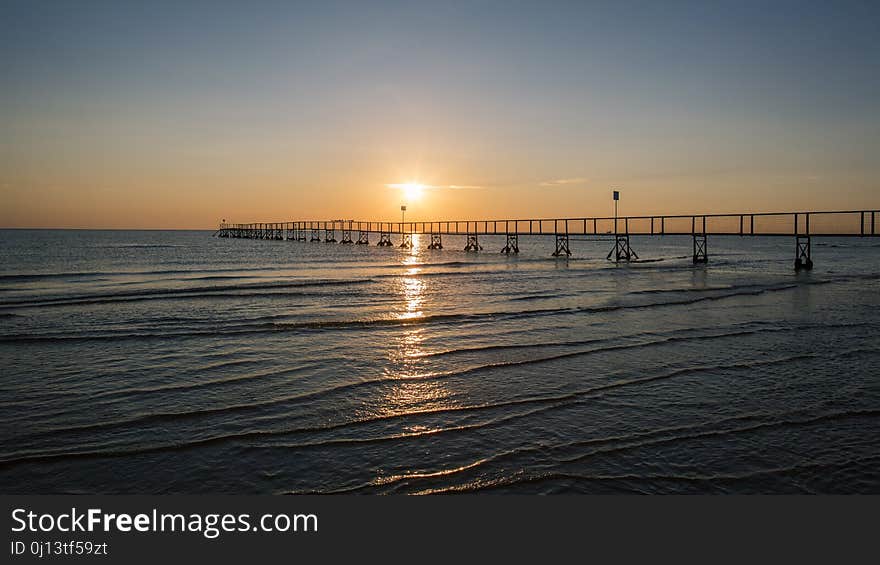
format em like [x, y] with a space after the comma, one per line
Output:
[414, 390]
[413, 295]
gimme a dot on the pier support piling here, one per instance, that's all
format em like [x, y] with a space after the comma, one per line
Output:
[701, 249]
[473, 243]
[512, 245]
[436, 241]
[562, 245]
[346, 237]
[622, 250]
[406, 242]
[315, 236]
[803, 259]
[329, 235]
[384, 240]
[363, 238]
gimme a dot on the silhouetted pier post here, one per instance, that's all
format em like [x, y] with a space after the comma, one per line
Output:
[330, 232]
[363, 235]
[561, 240]
[384, 236]
[473, 242]
[512, 245]
[803, 259]
[436, 237]
[406, 240]
[701, 249]
[622, 250]
[346, 233]
[436, 241]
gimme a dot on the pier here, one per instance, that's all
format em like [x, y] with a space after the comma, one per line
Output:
[801, 227]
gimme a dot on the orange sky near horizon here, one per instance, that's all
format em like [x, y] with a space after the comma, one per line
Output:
[202, 202]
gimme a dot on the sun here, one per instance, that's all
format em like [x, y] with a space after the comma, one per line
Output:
[411, 190]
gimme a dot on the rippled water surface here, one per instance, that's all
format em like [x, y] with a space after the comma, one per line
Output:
[174, 362]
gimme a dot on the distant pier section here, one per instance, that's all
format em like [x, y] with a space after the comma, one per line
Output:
[800, 226]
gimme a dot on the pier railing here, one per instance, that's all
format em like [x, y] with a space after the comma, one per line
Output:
[848, 223]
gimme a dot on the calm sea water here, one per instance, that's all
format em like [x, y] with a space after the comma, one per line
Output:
[174, 362]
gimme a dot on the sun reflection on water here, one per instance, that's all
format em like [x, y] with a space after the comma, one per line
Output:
[413, 296]
[414, 390]
[413, 288]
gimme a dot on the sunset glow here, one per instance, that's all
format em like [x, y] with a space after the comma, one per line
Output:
[184, 128]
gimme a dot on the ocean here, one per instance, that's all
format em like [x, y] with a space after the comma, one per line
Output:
[176, 362]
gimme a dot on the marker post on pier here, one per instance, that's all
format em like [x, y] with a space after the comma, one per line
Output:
[621, 249]
[615, 194]
[405, 235]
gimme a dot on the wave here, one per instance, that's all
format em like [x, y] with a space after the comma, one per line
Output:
[690, 290]
[159, 297]
[324, 325]
[569, 396]
[138, 246]
[19, 459]
[147, 294]
[222, 278]
[537, 297]
[339, 263]
[618, 339]
[615, 444]
[533, 275]
[860, 277]
[204, 384]
[698, 478]
[649, 439]
[37, 277]
[653, 260]
[88, 274]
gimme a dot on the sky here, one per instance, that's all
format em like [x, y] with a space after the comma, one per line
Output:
[181, 114]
